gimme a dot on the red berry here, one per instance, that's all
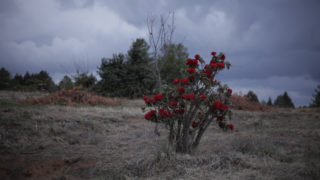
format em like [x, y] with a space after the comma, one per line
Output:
[223, 57]
[191, 70]
[184, 81]
[181, 90]
[231, 126]
[176, 81]
[158, 97]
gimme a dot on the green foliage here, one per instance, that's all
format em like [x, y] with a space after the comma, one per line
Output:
[284, 101]
[252, 97]
[140, 79]
[16, 82]
[113, 76]
[85, 80]
[32, 82]
[316, 98]
[27, 79]
[43, 81]
[4, 79]
[172, 63]
[28, 82]
[269, 103]
[66, 83]
[128, 76]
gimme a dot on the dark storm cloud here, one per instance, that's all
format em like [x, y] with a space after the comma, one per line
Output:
[282, 38]
[274, 45]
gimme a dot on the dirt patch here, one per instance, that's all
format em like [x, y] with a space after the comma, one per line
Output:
[27, 167]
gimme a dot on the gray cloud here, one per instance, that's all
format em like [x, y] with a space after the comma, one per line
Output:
[271, 44]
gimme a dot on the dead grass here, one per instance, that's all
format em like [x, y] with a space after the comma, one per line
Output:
[13, 96]
[72, 97]
[114, 142]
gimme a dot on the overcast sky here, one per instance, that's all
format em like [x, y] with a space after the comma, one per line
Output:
[273, 45]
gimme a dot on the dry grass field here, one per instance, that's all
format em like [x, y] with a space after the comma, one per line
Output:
[115, 142]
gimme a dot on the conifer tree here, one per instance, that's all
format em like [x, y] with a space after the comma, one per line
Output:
[140, 79]
[252, 97]
[172, 63]
[269, 103]
[66, 83]
[284, 101]
[4, 79]
[316, 98]
[129, 76]
[84, 79]
[112, 72]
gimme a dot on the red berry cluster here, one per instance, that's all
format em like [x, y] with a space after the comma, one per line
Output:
[192, 62]
[165, 113]
[189, 96]
[218, 105]
[150, 114]
[202, 96]
[184, 93]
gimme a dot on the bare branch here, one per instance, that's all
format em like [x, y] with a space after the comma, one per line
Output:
[160, 38]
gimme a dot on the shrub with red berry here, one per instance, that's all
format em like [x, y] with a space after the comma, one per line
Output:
[191, 104]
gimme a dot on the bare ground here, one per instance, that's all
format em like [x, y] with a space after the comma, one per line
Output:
[58, 142]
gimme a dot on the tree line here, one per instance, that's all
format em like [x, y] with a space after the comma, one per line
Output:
[284, 100]
[27, 82]
[42, 81]
[123, 75]
[129, 75]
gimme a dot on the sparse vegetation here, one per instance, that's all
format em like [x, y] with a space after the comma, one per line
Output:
[75, 134]
[71, 97]
[114, 142]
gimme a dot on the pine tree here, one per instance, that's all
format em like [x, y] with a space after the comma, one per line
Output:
[269, 103]
[112, 72]
[316, 98]
[252, 97]
[66, 83]
[140, 79]
[4, 79]
[43, 81]
[173, 62]
[284, 101]
[85, 79]
[26, 79]
[16, 82]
